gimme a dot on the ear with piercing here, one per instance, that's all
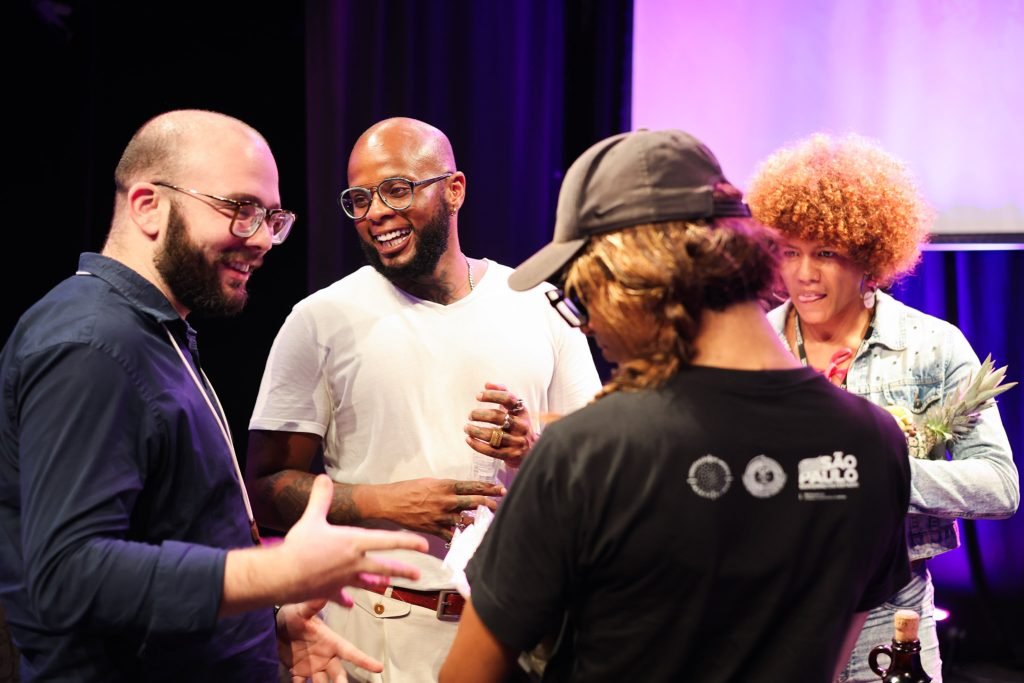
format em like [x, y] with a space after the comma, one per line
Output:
[868, 288]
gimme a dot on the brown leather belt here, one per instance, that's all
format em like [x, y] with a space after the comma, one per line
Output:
[446, 604]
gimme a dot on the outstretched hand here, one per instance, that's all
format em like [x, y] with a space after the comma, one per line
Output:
[325, 557]
[512, 435]
[311, 650]
[437, 506]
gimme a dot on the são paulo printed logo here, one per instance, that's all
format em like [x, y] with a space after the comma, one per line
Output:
[829, 472]
[763, 477]
[709, 477]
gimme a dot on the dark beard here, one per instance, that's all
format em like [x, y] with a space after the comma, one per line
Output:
[192, 279]
[431, 244]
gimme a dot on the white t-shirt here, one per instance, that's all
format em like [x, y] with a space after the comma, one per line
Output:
[388, 380]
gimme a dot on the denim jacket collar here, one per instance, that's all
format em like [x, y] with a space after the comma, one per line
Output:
[890, 325]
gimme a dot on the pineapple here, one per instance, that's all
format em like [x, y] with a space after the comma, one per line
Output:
[957, 415]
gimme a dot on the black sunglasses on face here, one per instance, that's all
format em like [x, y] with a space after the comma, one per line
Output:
[568, 306]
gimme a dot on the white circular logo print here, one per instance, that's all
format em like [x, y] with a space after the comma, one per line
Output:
[764, 477]
[709, 477]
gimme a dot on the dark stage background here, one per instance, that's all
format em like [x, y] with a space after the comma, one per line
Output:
[521, 89]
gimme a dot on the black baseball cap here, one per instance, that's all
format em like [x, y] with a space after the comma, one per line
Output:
[635, 178]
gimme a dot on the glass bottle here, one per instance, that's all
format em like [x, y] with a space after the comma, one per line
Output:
[904, 653]
[485, 468]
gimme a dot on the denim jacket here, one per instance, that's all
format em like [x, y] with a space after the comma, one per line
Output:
[915, 360]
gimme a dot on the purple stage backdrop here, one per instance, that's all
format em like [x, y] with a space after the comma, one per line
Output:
[939, 83]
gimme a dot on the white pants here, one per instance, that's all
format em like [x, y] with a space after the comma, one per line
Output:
[409, 640]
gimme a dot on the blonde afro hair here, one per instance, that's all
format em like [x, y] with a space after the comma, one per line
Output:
[848, 193]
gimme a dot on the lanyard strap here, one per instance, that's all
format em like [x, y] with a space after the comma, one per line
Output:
[218, 417]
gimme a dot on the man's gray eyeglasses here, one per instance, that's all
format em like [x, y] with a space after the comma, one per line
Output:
[248, 216]
[396, 193]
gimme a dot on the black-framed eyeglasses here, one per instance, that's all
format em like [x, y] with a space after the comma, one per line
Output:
[248, 216]
[396, 193]
[569, 307]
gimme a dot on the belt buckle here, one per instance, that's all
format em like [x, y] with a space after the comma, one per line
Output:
[442, 605]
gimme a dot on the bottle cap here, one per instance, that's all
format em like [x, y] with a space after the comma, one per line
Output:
[905, 623]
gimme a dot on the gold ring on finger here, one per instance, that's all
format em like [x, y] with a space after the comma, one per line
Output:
[496, 438]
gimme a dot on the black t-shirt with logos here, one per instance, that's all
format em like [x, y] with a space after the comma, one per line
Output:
[724, 527]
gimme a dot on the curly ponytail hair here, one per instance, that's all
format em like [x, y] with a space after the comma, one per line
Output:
[650, 284]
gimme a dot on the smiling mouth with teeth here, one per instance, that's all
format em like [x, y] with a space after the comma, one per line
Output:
[391, 236]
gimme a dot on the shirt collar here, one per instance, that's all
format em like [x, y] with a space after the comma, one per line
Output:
[142, 293]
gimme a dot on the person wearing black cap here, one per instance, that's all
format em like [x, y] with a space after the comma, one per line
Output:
[720, 512]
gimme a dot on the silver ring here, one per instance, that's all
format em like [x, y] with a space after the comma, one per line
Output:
[517, 407]
[506, 426]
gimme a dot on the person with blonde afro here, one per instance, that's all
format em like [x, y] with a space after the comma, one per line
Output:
[851, 222]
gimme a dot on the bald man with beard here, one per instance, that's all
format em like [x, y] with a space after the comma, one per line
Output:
[382, 369]
[127, 549]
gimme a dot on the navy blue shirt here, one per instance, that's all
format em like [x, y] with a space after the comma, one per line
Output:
[118, 495]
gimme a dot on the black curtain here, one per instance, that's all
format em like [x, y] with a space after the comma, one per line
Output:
[510, 83]
[520, 89]
[83, 77]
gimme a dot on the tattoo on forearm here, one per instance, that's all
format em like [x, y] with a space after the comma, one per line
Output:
[291, 495]
[343, 507]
